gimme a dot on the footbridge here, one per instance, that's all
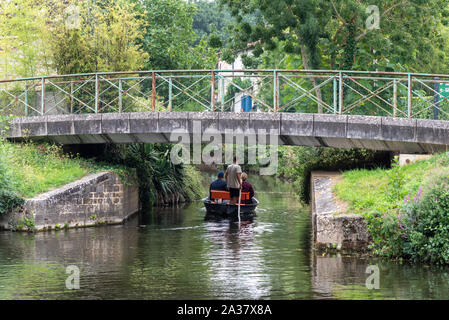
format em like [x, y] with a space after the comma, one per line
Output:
[403, 112]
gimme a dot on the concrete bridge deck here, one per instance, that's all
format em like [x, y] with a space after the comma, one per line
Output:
[339, 131]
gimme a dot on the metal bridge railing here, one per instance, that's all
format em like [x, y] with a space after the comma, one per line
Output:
[407, 95]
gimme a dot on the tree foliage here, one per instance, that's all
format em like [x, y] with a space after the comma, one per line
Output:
[169, 37]
[411, 35]
[212, 19]
[103, 37]
[334, 34]
[22, 39]
[69, 36]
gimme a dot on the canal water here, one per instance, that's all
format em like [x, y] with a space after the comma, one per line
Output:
[174, 253]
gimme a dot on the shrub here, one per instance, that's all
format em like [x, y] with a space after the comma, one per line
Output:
[4, 125]
[160, 181]
[426, 233]
[25, 223]
[396, 181]
[418, 229]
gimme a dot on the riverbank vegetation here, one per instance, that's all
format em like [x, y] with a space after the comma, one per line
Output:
[161, 182]
[406, 208]
[297, 163]
[32, 169]
[28, 169]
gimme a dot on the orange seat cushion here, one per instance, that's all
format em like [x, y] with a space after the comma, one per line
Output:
[218, 194]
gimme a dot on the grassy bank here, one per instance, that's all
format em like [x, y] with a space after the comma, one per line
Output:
[407, 208]
[28, 169]
[32, 169]
[297, 163]
[375, 190]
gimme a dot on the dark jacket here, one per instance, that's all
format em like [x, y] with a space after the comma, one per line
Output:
[218, 184]
[247, 187]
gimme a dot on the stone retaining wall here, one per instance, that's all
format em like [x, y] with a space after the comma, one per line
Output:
[96, 199]
[332, 226]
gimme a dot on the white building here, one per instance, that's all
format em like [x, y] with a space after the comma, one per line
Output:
[225, 79]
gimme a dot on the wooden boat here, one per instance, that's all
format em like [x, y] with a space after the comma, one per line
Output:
[220, 205]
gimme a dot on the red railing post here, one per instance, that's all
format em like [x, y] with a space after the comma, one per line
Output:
[212, 98]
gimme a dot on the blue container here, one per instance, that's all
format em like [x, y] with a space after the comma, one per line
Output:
[246, 103]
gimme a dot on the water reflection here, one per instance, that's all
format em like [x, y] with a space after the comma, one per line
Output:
[34, 265]
[236, 260]
[343, 277]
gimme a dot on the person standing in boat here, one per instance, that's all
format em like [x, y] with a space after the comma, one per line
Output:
[247, 187]
[218, 184]
[234, 180]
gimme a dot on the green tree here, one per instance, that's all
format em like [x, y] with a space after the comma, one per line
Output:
[168, 36]
[211, 19]
[411, 35]
[22, 44]
[339, 34]
[103, 37]
[298, 23]
[324, 34]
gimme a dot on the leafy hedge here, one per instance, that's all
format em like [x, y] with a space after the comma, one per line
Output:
[407, 209]
[426, 236]
[9, 200]
[419, 229]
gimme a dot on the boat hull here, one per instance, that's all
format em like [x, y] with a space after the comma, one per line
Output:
[230, 211]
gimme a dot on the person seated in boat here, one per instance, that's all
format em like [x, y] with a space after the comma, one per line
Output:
[233, 178]
[247, 187]
[219, 184]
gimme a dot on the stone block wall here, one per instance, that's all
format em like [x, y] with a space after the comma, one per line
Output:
[332, 226]
[96, 199]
